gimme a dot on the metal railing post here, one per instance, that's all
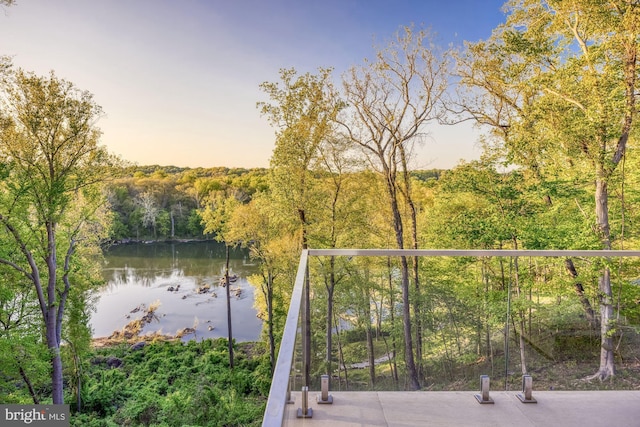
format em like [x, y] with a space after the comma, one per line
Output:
[305, 411]
[324, 396]
[527, 390]
[289, 397]
[483, 397]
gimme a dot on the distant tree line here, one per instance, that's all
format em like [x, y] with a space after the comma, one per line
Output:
[165, 202]
[154, 202]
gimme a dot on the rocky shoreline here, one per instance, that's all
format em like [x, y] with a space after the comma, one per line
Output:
[132, 241]
[131, 333]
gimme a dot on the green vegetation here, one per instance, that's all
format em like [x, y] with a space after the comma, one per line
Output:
[173, 383]
[160, 203]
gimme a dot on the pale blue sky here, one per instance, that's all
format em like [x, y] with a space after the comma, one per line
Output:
[178, 80]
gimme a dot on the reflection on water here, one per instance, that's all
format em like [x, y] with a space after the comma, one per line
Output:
[176, 274]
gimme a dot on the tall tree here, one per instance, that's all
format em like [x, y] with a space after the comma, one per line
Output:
[49, 200]
[302, 109]
[576, 65]
[391, 101]
[257, 228]
[216, 217]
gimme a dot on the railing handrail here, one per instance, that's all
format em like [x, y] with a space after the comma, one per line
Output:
[474, 252]
[274, 412]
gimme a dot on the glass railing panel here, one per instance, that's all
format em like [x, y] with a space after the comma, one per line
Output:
[504, 314]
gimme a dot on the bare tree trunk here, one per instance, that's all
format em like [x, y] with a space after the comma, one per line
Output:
[272, 342]
[390, 359]
[417, 300]
[306, 308]
[51, 320]
[330, 289]
[521, 320]
[392, 315]
[588, 310]
[371, 356]
[455, 327]
[228, 291]
[341, 355]
[26, 380]
[56, 367]
[485, 280]
[607, 367]
[173, 224]
[414, 383]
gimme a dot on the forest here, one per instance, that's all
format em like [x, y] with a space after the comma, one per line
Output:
[554, 90]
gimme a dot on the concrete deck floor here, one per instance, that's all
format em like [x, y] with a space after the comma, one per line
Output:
[460, 408]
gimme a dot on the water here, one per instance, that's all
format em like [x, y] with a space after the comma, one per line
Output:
[137, 275]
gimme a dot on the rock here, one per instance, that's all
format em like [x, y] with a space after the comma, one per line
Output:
[202, 289]
[137, 309]
[170, 289]
[186, 331]
[114, 362]
[138, 346]
[98, 360]
[232, 279]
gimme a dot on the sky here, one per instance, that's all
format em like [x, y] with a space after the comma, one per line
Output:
[179, 80]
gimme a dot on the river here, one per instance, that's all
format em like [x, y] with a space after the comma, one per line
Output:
[139, 274]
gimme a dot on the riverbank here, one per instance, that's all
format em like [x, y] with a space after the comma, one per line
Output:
[131, 241]
[132, 333]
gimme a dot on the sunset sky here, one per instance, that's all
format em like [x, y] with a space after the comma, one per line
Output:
[179, 80]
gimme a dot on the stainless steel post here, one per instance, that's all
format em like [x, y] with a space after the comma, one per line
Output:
[527, 390]
[305, 411]
[483, 397]
[324, 396]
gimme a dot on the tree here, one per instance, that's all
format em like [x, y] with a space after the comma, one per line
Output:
[150, 211]
[257, 228]
[303, 110]
[341, 217]
[216, 217]
[576, 65]
[49, 200]
[391, 100]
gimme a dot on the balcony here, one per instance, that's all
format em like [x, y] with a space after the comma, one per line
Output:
[512, 294]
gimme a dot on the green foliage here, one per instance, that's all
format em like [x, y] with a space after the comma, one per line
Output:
[175, 384]
[154, 202]
[51, 204]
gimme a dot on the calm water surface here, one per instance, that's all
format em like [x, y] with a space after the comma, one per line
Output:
[140, 274]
